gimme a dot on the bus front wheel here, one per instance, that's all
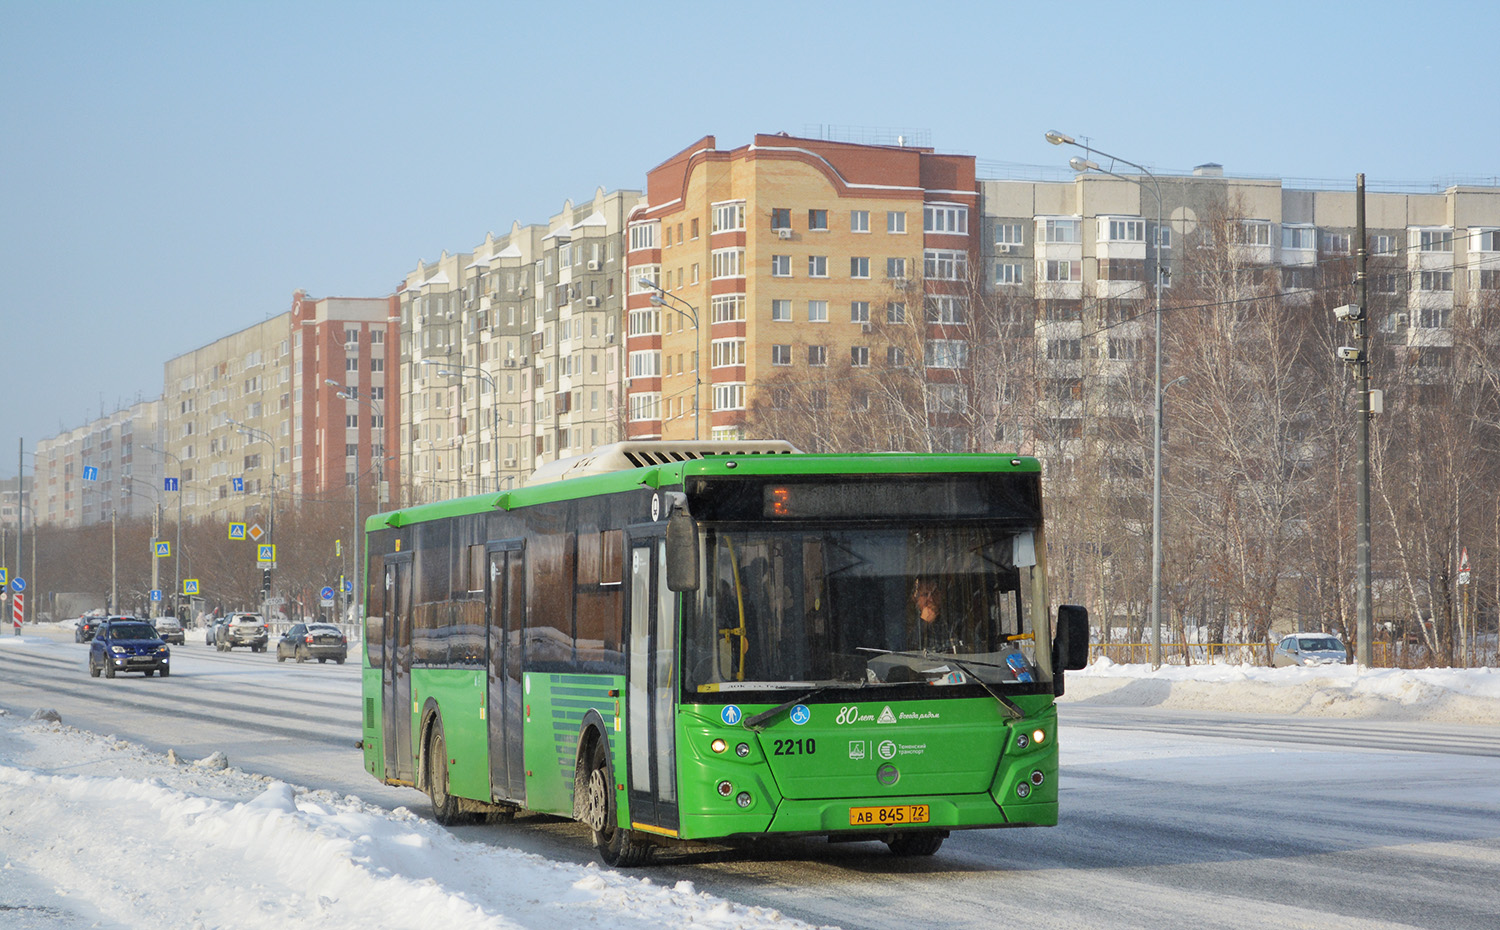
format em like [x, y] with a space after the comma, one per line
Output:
[916, 844]
[618, 847]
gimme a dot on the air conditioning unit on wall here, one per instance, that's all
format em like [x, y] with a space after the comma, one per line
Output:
[783, 233]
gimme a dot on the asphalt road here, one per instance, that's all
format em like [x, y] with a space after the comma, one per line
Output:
[1170, 819]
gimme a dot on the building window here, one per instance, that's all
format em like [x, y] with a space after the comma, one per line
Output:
[351, 449]
[728, 217]
[859, 267]
[1382, 245]
[728, 353]
[1384, 283]
[817, 219]
[1485, 240]
[1064, 271]
[781, 266]
[1123, 349]
[1009, 234]
[895, 312]
[1252, 232]
[895, 269]
[645, 364]
[1434, 317]
[781, 218]
[351, 364]
[1164, 237]
[859, 221]
[1299, 237]
[645, 406]
[817, 311]
[1064, 349]
[640, 274]
[729, 263]
[945, 218]
[817, 266]
[1435, 240]
[645, 321]
[729, 396]
[1008, 273]
[943, 309]
[1488, 280]
[945, 264]
[895, 357]
[1437, 281]
[1126, 231]
[644, 235]
[729, 308]
[781, 355]
[947, 353]
[351, 421]
[1058, 230]
[1336, 243]
[859, 311]
[895, 222]
[781, 311]
[859, 356]
[817, 355]
[1122, 269]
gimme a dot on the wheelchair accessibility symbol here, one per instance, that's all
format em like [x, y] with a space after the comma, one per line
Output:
[730, 714]
[800, 714]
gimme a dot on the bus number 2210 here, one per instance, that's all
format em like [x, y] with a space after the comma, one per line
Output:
[795, 747]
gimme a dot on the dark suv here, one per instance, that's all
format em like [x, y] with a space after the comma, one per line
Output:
[243, 630]
[125, 644]
[85, 629]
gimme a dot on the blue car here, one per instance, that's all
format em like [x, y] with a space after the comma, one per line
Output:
[125, 644]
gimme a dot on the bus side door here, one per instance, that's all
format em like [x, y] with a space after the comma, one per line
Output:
[396, 670]
[507, 606]
[652, 684]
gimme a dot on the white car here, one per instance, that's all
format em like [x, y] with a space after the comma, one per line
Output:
[170, 630]
[1309, 649]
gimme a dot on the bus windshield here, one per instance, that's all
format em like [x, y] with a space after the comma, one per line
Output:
[798, 606]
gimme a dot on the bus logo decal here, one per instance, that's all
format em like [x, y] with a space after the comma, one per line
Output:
[730, 714]
[856, 749]
[886, 716]
[887, 750]
[800, 714]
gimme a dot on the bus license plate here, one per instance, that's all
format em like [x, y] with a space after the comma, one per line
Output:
[896, 813]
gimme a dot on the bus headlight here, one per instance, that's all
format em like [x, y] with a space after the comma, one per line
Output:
[719, 745]
[744, 799]
[1022, 741]
[1023, 790]
[1038, 736]
[742, 750]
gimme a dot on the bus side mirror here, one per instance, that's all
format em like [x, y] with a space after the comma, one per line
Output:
[1071, 648]
[682, 552]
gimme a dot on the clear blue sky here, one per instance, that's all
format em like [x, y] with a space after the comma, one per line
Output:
[172, 172]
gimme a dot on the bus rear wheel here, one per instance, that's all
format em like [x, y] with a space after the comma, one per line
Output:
[915, 844]
[617, 846]
[445, 809]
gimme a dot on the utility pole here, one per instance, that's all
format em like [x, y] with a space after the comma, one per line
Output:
[21, 516]
[1366, 651]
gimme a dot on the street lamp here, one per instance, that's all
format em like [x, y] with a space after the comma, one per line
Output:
[1083, 165]
[348, 394]
[177, 557]
[659, 298]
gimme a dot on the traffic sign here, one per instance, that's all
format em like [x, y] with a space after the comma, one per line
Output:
[266, 553]
[255, 532]
[4, 577]
[18, 610]
[18, 584]
[348, 586]
[163, 549]
[236, 531]
[239, 483]
[90, 473]
[190, 586]
[169, 484]
[327, 595]
[156, 594]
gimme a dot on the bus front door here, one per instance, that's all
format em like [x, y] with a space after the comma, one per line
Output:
[396, 671]
[652, 682]
[507, 603]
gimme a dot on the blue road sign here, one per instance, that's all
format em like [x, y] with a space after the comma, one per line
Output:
[236, 531]
[156, 594]
[327, 593]
[4, 577]
[18, 584]
[169, 484]
[163, 549]
[239, 483]
[348, 586]
[190, 586]
[90, 473]
[265, 553]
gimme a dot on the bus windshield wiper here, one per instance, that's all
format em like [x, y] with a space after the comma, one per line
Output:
[1011, 707]
[758, 721]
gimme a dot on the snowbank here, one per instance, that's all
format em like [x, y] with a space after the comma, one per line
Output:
[1470, 696]
[97, 830]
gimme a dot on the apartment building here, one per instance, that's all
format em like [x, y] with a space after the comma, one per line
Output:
[102, 469]
[779, 262]
[510, 353]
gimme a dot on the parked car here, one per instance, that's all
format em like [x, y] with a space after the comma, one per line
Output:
[242, 630]
[85, 628]
[1309, 649]
[321, 641]
[170, 630]
[126, 644]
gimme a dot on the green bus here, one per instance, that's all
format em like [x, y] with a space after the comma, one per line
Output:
[724, 641]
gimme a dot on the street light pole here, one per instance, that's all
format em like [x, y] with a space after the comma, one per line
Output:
[177, 557]
[1083, 165]
[660, 297]
[259, 435]
[348, 394]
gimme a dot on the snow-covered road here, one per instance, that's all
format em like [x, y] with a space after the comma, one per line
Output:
[1178, 809]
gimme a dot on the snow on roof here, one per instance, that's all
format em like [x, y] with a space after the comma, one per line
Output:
[593, 219]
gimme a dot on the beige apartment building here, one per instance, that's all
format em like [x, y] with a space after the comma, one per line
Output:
[102, 469]
[510, 353]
